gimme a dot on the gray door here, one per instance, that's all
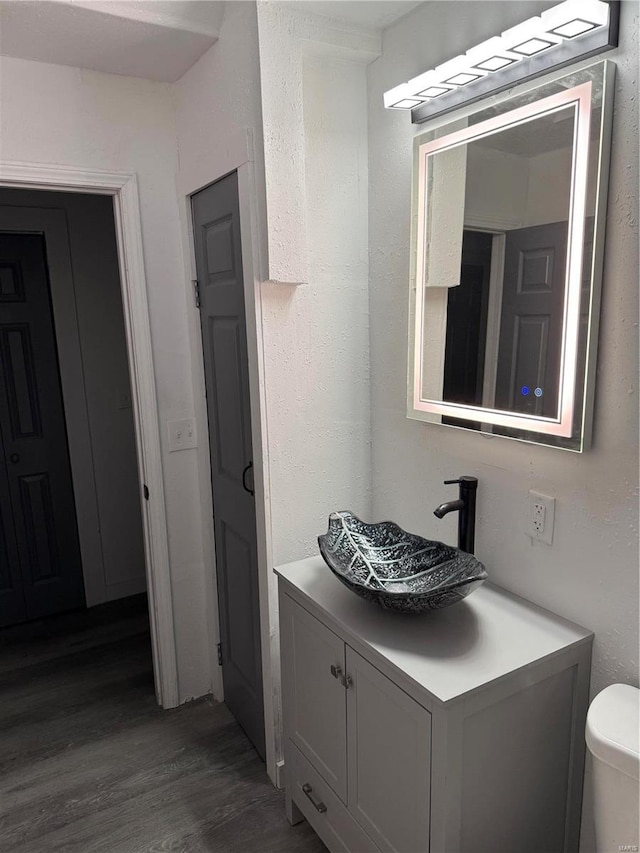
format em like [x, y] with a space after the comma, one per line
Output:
[216, 222]
[40, 568]
[532, 317]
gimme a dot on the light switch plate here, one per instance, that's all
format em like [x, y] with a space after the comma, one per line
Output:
[182, 434]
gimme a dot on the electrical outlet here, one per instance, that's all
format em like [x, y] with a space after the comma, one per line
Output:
[542, 510]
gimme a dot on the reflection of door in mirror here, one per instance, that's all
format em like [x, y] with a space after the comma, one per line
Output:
[524, 376]
[531, 322]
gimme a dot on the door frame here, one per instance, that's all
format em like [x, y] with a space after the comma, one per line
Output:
[240, 159]
[123, 188]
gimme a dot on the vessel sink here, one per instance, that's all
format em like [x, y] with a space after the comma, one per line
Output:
[395, 569]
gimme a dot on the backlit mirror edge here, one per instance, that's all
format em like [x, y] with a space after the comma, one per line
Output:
[597, 261]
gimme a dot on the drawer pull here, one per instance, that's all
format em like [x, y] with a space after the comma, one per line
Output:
[336, 671]
[307, 790]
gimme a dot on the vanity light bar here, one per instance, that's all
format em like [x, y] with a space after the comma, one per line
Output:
[566, 22]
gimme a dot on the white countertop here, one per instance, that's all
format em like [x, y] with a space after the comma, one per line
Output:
[449, 652]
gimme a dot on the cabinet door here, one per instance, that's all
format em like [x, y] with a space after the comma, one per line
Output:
[389, 760]
[314, 699]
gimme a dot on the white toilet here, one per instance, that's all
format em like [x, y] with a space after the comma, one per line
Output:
[613, 738]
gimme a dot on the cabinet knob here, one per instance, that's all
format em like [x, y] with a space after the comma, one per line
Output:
[307, 790]
[345, 680]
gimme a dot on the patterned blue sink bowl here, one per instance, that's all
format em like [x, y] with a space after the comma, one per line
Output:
[396, 569]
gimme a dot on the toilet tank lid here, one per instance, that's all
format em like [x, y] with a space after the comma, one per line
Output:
[613, 728]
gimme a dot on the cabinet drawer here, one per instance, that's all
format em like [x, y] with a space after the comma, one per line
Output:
[335, 826]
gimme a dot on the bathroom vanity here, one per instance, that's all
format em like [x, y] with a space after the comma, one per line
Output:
[456, 730]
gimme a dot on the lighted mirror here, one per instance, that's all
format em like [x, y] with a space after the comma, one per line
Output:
[508, 229]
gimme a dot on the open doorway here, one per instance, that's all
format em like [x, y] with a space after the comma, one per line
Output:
[72, 560]
[117, 194]
[123, 190]
[70, 493]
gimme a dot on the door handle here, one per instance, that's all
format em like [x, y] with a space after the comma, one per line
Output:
[15, 457]
[244, 478]
[307, 790]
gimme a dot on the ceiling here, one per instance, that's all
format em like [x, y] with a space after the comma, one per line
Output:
[155, 39]
[370, 14]
[530, 139]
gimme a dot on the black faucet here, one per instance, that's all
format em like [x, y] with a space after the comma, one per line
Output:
[465, 506]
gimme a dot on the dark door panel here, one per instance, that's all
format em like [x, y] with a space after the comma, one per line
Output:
[532, 319]
[216, 221]
[36, 501]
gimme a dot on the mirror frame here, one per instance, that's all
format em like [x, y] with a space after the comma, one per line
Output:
[505, 113]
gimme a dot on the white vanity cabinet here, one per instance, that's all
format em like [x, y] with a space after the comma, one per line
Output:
[455, 730]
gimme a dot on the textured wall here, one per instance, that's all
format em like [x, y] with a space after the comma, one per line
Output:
[316, 335]
[218, 101]
[287, 35]
[590, 573]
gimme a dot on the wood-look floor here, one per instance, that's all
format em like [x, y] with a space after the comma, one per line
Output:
[90, 764]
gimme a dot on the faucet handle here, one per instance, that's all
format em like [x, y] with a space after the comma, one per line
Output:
[451, 482]
[465, 478]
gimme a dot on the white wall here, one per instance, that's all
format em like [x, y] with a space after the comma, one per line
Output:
[58, 115]
[548, 187]
[590, 573]
[288, 33]
[513, 191]
[497, 186]
[94, 256]
[316, 335]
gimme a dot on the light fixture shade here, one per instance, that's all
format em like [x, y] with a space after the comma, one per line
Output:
[518, 53]
[529, 38]
[398, 98]
[490, 56]
[406, 104]
[575, 17]
[435, 91]
[423, 82]
[453, 68]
